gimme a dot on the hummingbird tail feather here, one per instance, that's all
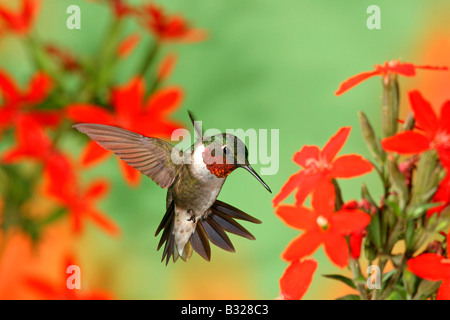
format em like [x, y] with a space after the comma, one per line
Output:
[167, 236]
[213, 227]
[200, 243]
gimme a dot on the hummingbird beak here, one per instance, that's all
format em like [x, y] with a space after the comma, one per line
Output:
[253, 172]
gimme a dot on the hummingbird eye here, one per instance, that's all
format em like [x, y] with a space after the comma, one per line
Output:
[226, 151]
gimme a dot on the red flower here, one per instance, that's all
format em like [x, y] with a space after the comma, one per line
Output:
[80, 202]
[34, 144]
[17, 102]
[296, 279]
[322, 225]
[169, 28]
[120, 8]
[435, 131]
[393, 67]
[60, 291]
[322, 165]
[20, 22]
[434, 267]
[133, 113]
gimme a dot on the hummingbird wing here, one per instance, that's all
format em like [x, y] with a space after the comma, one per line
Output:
[150, 156]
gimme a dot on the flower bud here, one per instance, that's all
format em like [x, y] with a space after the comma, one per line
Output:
[390, 108]
[373, 144]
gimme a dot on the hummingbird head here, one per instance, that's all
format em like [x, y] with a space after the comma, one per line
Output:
[224, 153]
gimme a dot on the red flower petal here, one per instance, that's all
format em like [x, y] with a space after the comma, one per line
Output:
[347, 221]
[38, 88]
[93, 154]
[104, 222]
[293, 182]
[444, 290]
[354, 81]
[305, 154]
[88, 113]
[442, 68]
[307, 186]
[323, 198]
[127, 101]
[349, 166]
[430, 266]
[423, 113]
[303, 245]
[335, 144]
[97, 190]
[336, 249]
[404, 69]
[46, 118]
[164, 101]
[297, 278]
[406, 142]
[444, 120]
[296, 217]
[131, 175]
[8, 87]
[355, 244]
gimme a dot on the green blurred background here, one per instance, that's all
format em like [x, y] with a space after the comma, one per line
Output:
[266, 65]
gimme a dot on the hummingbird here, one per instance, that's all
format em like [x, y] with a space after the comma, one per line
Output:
[193, 179]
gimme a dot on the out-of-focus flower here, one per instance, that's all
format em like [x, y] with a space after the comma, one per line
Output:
[168, 28]
[322, 225]
[322, 165]
[166, 66]
[21, 21]
[59, 291]
[435, 131]
[132, 112]
[81, 203]
[18, 103]
[127, 46]
[434, 267]
[392, 67]
[63, 57]
[120, 8]
[296, 279]
[442, 195]
[34, 144]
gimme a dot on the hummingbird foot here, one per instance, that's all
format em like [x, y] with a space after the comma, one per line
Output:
[192, 217]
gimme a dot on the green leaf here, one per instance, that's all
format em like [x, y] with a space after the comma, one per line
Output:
[342, 279]
[350, 297]
[395, 208]
[374, 229]
[420, 210]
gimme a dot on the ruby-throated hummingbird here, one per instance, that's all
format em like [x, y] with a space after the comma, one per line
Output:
[194, 179]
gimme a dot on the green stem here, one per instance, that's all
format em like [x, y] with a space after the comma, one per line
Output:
[356, 271]
[150, 57]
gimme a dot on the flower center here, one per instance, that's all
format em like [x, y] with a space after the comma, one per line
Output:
[317, 165]
[442, 140]
[322, 222]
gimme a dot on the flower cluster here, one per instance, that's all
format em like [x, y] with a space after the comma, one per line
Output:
[37, 117]
[412, 162]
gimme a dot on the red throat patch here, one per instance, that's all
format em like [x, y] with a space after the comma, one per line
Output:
[221, 169]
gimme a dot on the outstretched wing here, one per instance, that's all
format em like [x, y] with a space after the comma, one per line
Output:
[150, 156]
